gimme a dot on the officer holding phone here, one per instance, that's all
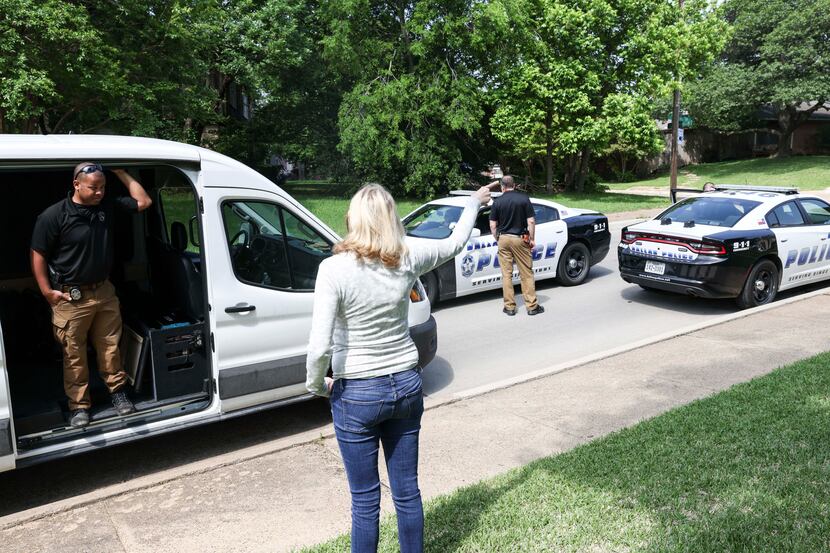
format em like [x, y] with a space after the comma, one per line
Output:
[72, 254]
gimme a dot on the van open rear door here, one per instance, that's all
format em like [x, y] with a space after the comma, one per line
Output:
[7, 445]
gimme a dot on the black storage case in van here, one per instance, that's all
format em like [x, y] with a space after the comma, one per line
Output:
[179, 359]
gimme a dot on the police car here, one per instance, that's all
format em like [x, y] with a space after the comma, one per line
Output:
[568, 242]
[735, 242]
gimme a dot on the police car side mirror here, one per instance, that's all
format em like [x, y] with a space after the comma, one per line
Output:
[476, 233]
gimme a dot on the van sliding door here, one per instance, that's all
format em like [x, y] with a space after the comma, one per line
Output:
[7, 445]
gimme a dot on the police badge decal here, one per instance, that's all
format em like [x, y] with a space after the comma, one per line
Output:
[467, 266]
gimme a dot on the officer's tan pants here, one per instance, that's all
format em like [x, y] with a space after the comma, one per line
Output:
[513, 249]
[97, 317]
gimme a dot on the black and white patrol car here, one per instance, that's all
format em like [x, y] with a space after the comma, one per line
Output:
[568, 242]
[735, 242]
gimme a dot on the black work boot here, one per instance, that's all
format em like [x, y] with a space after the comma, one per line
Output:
[79, 418]
[122, 404]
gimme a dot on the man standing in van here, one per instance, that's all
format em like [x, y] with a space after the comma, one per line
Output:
[72, 254]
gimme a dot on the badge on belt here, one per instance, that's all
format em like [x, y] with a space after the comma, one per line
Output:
[75, 293]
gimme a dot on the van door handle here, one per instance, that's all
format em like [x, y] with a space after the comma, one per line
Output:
[240, 309]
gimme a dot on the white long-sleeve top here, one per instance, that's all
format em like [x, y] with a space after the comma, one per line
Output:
[359, 323]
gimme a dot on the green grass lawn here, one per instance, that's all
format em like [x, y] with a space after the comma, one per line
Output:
[331, 201]
[745, 470]
[805, 172]
[606, 202]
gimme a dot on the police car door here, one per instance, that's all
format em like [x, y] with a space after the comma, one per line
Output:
[7, 442]
[262, 256]
[551, 238]
[477, 266]
[817, 215]
[798, 244]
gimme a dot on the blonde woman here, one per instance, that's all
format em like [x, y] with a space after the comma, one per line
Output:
[359, 327]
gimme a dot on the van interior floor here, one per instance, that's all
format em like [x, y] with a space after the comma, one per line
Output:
[104, 418]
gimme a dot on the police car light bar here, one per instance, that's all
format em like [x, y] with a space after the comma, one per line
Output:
[779, 189]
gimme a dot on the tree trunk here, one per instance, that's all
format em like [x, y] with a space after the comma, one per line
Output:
[789, 119]
[528, 163]
[585, 156]
[787, 123]
[548, 154]
[549, 167]
[570, 171]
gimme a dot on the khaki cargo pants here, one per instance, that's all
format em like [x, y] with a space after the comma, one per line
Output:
[95, 317]
[513, 249]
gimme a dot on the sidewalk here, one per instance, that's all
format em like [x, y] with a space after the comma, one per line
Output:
[298, 496]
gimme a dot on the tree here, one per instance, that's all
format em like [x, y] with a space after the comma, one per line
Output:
[632, 133]
[559, 62]
[778, 56]
[410, 99]
[135, 67]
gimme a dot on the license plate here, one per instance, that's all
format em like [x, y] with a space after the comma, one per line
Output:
[655, 267]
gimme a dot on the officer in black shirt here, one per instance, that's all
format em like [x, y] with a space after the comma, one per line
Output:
[513, 224]
[72, 254]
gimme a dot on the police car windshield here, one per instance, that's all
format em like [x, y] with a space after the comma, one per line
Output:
[718, 212]
[432, 221]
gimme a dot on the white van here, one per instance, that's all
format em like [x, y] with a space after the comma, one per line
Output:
[216, 285]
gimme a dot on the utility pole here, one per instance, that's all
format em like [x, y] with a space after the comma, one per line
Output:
[675, 125]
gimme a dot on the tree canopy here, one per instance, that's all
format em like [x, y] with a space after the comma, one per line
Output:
[403, 92]
[778, 56]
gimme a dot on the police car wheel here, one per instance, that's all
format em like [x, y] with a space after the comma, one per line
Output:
[574, 264]
[761, 285]
[430, 283]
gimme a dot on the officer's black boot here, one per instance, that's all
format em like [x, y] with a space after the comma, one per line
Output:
[122, 404]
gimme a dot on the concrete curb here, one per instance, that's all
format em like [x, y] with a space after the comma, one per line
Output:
[309, 437]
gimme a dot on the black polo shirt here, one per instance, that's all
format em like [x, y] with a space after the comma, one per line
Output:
[76, 240]
[511, 210]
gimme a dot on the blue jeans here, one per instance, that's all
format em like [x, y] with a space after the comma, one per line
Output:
[385, 409]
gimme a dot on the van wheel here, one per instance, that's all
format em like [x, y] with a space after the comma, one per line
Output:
[761, 285]
[574, 264]
[430, 283]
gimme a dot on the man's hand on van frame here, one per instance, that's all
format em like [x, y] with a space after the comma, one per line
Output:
[54, 297]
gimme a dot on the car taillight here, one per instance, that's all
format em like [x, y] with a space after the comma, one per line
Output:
[712, 249]
[707, 248]
[629, 237]
[696, 246]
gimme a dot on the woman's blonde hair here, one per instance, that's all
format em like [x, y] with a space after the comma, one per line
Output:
[374, 231]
